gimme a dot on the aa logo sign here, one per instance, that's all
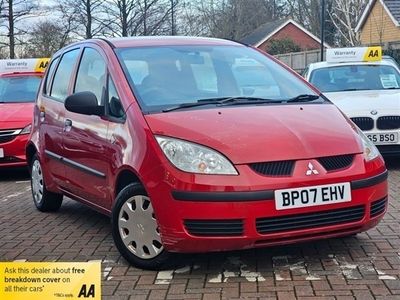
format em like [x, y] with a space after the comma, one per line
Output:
[38, 281]
[41, 64]
[373, 54]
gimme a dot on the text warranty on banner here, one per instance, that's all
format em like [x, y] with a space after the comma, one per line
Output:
[50, 280]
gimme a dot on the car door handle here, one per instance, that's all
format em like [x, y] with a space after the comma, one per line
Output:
[42, 115]
[67, 124]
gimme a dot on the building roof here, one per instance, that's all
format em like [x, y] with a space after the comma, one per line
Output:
[392, 7]
[267, 30]
[262, 31]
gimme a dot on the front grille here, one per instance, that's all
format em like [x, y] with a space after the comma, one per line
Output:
[388, 122]
[389, 149]
[364, 123]
[378, 207]
[214, 227]
[274, 168]
[8, 135]
[310, 220]
[332, 163]
[7, 138]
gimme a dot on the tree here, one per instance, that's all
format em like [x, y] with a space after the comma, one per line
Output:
[14, 12]
[234, 19]
[345, 15]
[308, 14]
[140, 17]
[282, 46]
[190, 19]
[46, 38]
[85, 16]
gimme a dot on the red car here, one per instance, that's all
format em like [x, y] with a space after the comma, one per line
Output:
[19, 83]
[163, 135]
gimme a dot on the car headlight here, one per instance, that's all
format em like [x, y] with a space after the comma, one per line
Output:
[26, 130]
[370, 150]
[194, 158]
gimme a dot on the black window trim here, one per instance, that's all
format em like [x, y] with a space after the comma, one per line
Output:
[106, 102]
[47, 78]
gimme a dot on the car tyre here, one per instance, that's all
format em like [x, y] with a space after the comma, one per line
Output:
[44, 200]
[135, 229]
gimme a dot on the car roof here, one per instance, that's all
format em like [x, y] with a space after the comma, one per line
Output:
[147, 41]
[166, 40]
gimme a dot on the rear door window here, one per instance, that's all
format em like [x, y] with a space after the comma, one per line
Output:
[63, 74]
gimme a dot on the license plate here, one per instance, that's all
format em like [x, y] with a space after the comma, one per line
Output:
[313, 196]
[1, 152]
[384, 138]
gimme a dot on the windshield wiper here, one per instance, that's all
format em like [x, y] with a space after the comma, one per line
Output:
[303, 98]
[353, 90]
[222, 101]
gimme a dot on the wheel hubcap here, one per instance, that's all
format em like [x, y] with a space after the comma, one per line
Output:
[37, 181]
[138, 227]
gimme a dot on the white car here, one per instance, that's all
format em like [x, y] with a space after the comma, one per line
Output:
[368, 93]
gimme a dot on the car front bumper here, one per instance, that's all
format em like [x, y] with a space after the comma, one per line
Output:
[14, 152]
[220, 218]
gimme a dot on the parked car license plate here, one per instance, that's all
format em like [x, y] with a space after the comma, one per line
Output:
[1, 152]
[312, 196]
[384, 138]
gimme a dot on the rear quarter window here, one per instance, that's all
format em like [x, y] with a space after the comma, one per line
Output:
[50, 72]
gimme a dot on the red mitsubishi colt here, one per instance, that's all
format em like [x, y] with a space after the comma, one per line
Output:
[198, 145]
[19, 82]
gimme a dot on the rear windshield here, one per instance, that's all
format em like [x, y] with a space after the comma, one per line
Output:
[355, 78]
[19, 89]
[172, 75]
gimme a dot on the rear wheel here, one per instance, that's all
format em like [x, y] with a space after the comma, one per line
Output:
[44, 200]
[135, 229]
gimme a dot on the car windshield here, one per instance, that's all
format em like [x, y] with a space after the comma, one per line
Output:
[19, 89]
[355, 78]
[167, 76]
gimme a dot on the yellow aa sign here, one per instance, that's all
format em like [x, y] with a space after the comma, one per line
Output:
[373, 54]
[50, 280]
[41, 64]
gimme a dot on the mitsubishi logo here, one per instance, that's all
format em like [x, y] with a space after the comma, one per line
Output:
[311, 170]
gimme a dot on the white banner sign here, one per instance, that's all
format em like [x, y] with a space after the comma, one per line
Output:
[23, 65]
[354, 54]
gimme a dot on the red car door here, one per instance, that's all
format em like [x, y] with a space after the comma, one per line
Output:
[51, 115]
[85, 140]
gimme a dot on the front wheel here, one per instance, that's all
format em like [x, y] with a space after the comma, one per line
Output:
[135, 229]
[44, 200]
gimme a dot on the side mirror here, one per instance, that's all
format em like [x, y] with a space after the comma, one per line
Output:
[84, 103]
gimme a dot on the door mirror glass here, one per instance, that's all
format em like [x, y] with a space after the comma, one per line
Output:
[84, 103]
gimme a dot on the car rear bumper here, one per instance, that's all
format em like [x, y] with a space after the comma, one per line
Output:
[219, 221]
[14, 152]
